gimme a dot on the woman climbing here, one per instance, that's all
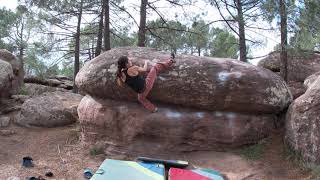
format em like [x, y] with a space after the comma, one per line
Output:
[131, 75]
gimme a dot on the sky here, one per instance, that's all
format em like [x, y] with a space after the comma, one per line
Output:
[11, 4]
[270, 39]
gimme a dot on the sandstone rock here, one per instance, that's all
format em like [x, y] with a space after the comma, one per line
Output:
[61, 78]
[4, 121]
[309, 80]
[128, 127]
[300, 64]
[303, 124]
[6, 77]
[296, 88]
[207, 83]
[50, 110]
[6, 132]
[17, 70]
[54, 81]
[9, 105]
[20, 98]
[13, 178]
[271, 62]
[38, 89]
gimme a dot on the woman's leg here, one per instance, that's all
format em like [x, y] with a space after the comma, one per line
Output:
[150, 79]
[160, 66]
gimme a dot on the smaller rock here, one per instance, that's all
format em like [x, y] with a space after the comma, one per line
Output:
[4, 121]
[5, 132]
[296, 88]
[10, 109]
[310, 79]
[38, 89]
[53, 82]
[13, 178]
[51, 109]
[20, 98]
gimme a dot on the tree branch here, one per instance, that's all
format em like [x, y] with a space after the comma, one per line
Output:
[225, 18]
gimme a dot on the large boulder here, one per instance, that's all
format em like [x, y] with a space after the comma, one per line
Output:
[213, 84]
[296, 88]
[271, 62]
[300, 64]
[303, 124]
[127, 127]
[6, 77]
[17, 70]
[311, 79]
[50, 109]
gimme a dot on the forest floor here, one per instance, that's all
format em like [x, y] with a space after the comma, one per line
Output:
[59, 150]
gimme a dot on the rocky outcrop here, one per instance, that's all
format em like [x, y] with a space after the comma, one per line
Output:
[300, 66]
[199, 82]
[303, 124]
[16, 79]
[6, 76]
[4, 121]
[296, 88]
[33, 89]
[63, 82]
[204, 104]
[50, 110]
[311, 79]
[128, 126]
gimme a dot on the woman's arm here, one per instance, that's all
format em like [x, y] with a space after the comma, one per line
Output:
[144, 68]
[135, 70]
[121, 80]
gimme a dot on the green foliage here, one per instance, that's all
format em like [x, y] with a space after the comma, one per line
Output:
[122, 38]
[166, 36]
[198, 36]
[271, 9]
[254, 152]
[23, 90]
[32, 65]
[296, 157]
[66, 69]
[96, 150]
[6, 23]
[315, 170]
[307, 31]
[224, 44]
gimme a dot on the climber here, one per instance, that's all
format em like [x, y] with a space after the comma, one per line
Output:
[131, 75]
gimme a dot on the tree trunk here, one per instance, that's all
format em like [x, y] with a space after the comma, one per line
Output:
[242, 36]
[93, 49]
[89, 54]
[143, 19]
[21, 48]
[106, 25]
[100, 31]
[284, 42]
[77, 49]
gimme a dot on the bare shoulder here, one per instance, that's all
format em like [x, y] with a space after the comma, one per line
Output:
[133, 71]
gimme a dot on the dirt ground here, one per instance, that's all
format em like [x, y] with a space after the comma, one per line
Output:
[58, 150]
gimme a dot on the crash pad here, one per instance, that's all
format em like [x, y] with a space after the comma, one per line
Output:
[129, 170]
[195, 174]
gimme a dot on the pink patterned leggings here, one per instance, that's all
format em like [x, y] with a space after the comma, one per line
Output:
[150, 79]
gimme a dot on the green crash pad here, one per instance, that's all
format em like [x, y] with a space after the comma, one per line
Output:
[129, 170]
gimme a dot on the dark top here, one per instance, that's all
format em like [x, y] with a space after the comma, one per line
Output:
[135, 82]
